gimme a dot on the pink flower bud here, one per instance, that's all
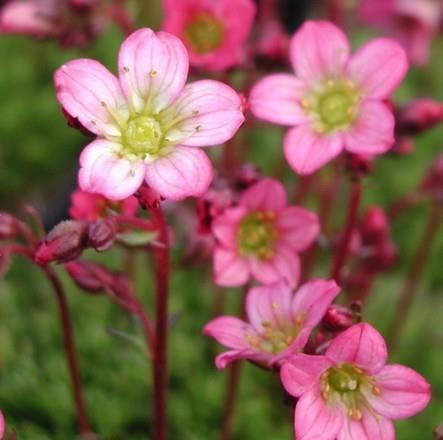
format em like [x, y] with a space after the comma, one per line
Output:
[418, 116]
[65, 242]
[102, 234]
[339, 318]
[374, 225]
[8, 226]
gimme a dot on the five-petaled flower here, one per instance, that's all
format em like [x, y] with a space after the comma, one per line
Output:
[349, 393]
[279, 322]
[261, 237]
[335, 101]
[214, 31]
[147, 121]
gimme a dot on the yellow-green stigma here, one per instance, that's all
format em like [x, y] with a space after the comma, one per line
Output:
[333, 105]
[204, 33]
[142, 136]
[257, 234]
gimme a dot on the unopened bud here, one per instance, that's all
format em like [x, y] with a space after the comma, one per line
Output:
[359, 165]
[8, 226]
[102, 234]
[418, 116]
[339, 318]
[374, 225]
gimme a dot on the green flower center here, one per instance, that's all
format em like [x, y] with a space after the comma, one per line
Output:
[257, 234]
[344, 379]
[142, 136]
[204, 33]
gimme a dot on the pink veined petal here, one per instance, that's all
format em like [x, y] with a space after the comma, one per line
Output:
[378, 67]
[362, 345]
[181, 173]
[307, 151]
[265, 195]
[206, 113]
[229, 331]
[312, 299]
[314, 420]
[403, 392]
[225, 226]
[92, 94]
[298, 227]
[301, 371]
[229, 269]
[275, 98]
[153, 68]
[227, 357]
[369, 428]
[319, 49]
[373, 131]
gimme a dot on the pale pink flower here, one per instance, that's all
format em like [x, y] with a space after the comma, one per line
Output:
[261, 237]
[148, 122]
[87, 206]
[412, 23]
[279, 322]
[214, 31]
[334, 102]
[349, 393]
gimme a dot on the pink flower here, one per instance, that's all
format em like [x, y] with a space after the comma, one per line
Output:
[214, 31]
[279, 322]
[261, 237]
[148, 123]
[2, 425]
[349, 393]
[413, 23]
[335, 101]
[87, 206]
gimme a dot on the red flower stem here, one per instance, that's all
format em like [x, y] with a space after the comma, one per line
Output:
[122, 18]
[409, 290]
[160, 367]
[351, 219]
[233, 384]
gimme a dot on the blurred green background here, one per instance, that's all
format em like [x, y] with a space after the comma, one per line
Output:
[38, 162]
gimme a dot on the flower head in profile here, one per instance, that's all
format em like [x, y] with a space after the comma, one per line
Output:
[349, 393]
[148, 123]
[214, 31]
[335, 100]
[261, 237]
[279, 322]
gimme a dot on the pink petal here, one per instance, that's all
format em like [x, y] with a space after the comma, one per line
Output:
[224, 227]
[319, 50]
[206, 113]
[312, 300]
[307, 151]
[369, 428]
[314, 420]
[229, 331]
[403, 392]
[378, 67]
[229, 269]
[182, 173]
[373, 132]
[266, 195]
[275, 98]
[298, 227]
[362, 345]
[2, 424]
[104, 172]
[300, 372]
[227, 357]
[92, 94]
[153, 68]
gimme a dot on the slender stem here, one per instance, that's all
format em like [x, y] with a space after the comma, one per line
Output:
[160, 368]
[351, 220]
[233, 384]
[122, 18]
[336, 11]
[413, 276]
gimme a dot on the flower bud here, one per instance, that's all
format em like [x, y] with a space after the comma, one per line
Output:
[418, 116]
[8, 226]
[102, 234]
[339, 318]
[374, 225]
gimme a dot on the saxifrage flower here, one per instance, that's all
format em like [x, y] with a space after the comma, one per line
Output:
[148, 122]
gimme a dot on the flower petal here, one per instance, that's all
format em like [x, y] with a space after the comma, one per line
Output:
[362, 345]
[370, 427]
[182, 173]
[301, 371]
[224, 227]
[373, 132]
[227, 357]
[378, 67]
[403, 392]
[91, 93]
[206, 113]
[265, 195]
[229, 269]
[104, 172]
[229, 331]
[275, 98]
[153, 68]
[306, 151]
[298, 227]
[314, 420]
[319, 49]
